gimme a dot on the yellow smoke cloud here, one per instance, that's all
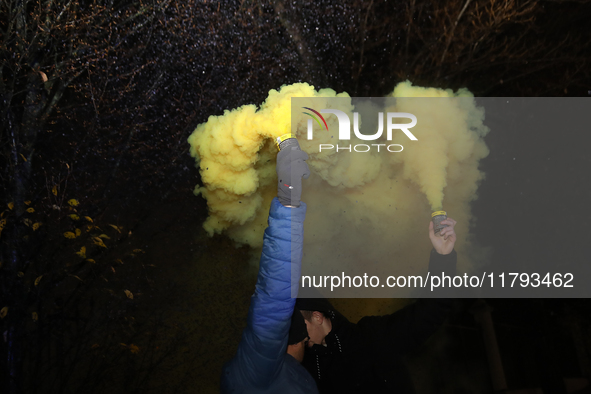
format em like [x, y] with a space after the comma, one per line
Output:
[385, 198]
[236, 157]
[450, 136]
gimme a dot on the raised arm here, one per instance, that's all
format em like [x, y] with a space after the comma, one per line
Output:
[262, 349]
[264, 341]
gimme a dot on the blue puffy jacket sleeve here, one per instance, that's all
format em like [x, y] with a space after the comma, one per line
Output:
[262, 349]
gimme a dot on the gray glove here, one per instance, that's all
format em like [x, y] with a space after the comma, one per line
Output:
[291, 167]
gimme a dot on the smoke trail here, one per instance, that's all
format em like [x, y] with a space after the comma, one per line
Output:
[385, 199]
[236, 157]
[451, 141]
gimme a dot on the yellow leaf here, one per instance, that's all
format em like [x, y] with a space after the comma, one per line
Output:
[113, 269]
[129, 294]
[89, 227]
[35, 316]
[112, 225]
[24, 158]
[54, 190]
[138, 251]
[38, 280]
[99, 242]
[88, 218]
[78, 232]
[3, 312]
[77, 277]
[27, 202]
[27, 222]
[69, 235]
[105, 236]
[20, 274]
[30, 210]
[134, 349]
[74, 216]
[82, 252]
[119, 261]
[2, 223]
[91, 261]
[10, 205]
[73, 203]
[36, 226]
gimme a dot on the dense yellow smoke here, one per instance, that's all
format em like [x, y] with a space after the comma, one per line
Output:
[449, 136]
[236, 157]
[386, 199]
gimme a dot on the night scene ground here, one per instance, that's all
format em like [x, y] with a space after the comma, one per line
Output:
[109, 281]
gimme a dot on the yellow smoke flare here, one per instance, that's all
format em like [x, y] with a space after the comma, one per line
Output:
[236, 159]
[450, 136]
[386, 198]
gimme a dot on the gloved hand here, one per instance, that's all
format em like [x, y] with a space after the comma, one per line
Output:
[291, 167]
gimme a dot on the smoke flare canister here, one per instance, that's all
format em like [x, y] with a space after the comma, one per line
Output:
[284, 141]
[437, 217]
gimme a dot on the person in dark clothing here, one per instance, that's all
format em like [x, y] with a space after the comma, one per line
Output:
[367, 357]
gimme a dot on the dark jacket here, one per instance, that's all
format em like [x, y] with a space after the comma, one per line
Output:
[261, 364]
[367, 357]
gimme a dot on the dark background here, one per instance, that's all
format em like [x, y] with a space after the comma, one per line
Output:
[536, 188]
[98, 99]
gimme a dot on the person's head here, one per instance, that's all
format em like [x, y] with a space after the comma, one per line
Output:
[298, 336]
[317, 313]
[318, 326]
